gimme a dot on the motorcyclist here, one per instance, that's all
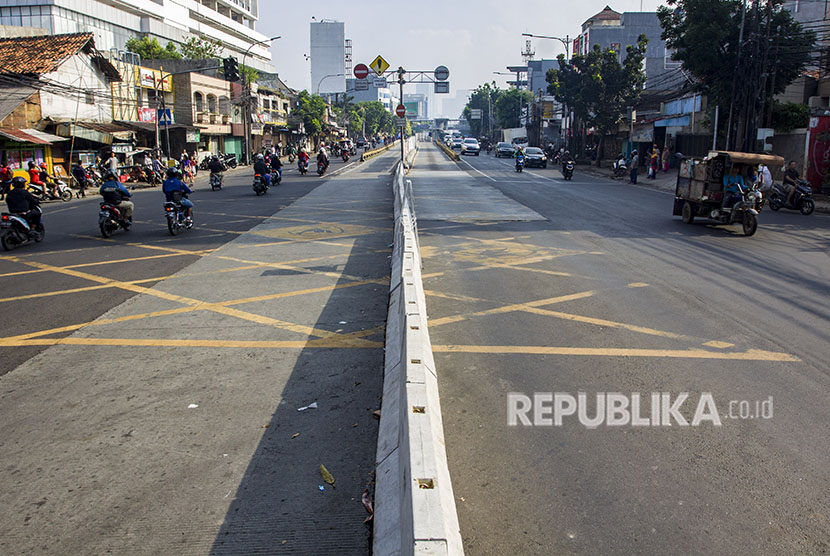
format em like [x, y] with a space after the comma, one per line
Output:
[34, 178]
[261, 168]
[790, 180]
[566, 157]
[49, 180]
[174, 184]
[216, 167]
[302, 159]
[733, 184]
[114, 193]
[21, 202]
[276, 164]
[323, 158]
[519, 154]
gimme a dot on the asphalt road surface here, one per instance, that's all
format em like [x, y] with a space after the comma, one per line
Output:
[538, 285]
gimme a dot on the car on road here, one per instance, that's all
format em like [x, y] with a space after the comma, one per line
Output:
[504, 149]
[534, 156]
[361, 142]
[470, 146]
[457, 142]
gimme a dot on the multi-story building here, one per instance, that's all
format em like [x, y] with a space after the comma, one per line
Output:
[385, 95]
[114, 22]
[328, 57]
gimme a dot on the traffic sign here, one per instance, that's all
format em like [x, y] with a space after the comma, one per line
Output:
[361, 71]
[380, 83]
[442, 87]
[401, 122]
[379, 65]
[361, 85]
[442, 73]
[475, 113]
[400, 111]
[165, 117]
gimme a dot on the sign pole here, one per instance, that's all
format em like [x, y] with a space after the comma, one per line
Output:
[403, 127]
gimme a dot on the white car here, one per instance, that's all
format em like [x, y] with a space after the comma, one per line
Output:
[456, 142]
[470, 146]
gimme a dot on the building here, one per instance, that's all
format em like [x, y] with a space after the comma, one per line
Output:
[610, 29]
[114, 22]
[55, 87]
[385, 95]
[328, 57]
[417, 106]
[203, 102]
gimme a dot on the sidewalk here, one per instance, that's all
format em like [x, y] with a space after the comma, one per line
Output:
[666, 181]
[194, 417]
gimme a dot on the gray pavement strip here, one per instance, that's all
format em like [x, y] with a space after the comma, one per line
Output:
[103, 451]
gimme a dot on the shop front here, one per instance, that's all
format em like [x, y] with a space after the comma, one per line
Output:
[18, 147]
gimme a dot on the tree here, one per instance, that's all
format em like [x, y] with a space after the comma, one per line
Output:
[201, 48]
[378, 119]
[483, 98]
[150, 49]
[509, 105]
[249, 74]
[598, 88]
[312, 110]
[741, 75]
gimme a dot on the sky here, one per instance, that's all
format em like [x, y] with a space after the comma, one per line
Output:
[473, 38]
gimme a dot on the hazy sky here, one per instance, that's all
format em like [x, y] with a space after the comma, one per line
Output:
[473, 38]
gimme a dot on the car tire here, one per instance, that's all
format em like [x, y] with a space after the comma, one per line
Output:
[688, 214]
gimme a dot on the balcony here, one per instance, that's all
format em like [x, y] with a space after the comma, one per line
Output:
[274, 117]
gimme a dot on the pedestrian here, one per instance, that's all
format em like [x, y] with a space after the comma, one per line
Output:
[633, 166]
[652, 167]
[666, 159]
[6, 176]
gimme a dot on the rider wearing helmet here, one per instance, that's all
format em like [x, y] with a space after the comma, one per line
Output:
[49, 180]
[215, 165]
[322, 157]
[172, 185]
[261, 168]
[21, 201]
[114, 193]
[276, 164]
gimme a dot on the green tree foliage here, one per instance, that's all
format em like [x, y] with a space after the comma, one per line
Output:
[597, 87]
[249, 74]
[483, 98]
[787, 116]
[509, 103]
[312, 110]
[704, 35]
[201, 48]
[378, 119]
[150, 49]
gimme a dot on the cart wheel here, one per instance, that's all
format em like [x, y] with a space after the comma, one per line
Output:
[750, 224]
[688, 214]
[807, 207]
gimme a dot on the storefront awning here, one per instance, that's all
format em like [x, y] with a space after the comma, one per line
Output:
[29, 135]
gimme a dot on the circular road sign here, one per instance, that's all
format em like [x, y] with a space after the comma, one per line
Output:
[361, 71]
[400, 111]
[442, 73]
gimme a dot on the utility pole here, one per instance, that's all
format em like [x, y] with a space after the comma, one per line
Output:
[401, 81]
[735, 78]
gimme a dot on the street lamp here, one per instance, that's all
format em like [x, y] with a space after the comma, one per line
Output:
[246, 86]
[566, 41]
[319, 83]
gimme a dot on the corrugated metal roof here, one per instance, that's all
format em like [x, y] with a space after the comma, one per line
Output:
[29, 135]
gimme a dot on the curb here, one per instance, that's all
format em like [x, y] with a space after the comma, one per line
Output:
[369, 154]
[415, 509]
[448, 151]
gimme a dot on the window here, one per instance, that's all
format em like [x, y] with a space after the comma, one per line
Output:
[198, 102]
[211, 104]
[89, 97]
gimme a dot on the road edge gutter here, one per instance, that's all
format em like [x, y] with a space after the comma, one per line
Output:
[415, 509]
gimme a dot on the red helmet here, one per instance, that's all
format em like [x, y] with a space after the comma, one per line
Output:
[43, 165]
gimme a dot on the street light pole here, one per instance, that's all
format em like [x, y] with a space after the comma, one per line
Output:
[246, 108]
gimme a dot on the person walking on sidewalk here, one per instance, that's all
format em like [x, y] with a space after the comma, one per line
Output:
[665, 159]
[652, 167]
[632, 165]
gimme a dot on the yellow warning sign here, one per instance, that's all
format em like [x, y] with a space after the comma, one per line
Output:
[379, 65]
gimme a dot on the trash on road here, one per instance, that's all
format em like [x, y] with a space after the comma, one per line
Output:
[309, 406]
[343, 322]
[295, 435]
[327, 477]
[193, 406]
[376, 414]
[367, 503]
[321, 488]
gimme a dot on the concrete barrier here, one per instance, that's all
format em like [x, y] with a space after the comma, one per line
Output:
[448, 151]
[374, 152]
[411, 150]
[414, 504]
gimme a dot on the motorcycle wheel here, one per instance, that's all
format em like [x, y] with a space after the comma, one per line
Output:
[775, 204]
[8, 242]
[750, 224]
[66, 195]
[259, 191]
[807, 207]
[172, 227]
[105, 228]
[688, 215]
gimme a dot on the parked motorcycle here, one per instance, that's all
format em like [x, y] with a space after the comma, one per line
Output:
[259, 185]
[16, 231]
[520, 162]
[802, 198]
[229, 160]
[203, 165]
[568, 169]
[110, 219]
[41, 194]
[217, 180]
[176, 216]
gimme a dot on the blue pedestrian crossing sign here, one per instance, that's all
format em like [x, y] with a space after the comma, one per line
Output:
[165, 117]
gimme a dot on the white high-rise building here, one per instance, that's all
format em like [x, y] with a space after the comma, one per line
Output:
[328, 57]
[113, 22]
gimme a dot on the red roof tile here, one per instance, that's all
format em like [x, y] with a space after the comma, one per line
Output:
[607, 14]
[40, 54]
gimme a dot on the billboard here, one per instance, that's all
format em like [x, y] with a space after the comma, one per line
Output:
[411, 109]
[328, 57]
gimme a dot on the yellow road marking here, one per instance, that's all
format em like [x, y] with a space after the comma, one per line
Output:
[637, 285]
[530, 307]
[749, 355]
[333, 343]
[717, 344]
[603, 322]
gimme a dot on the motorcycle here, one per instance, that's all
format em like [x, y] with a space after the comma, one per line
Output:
[259, 185]
[45, 194]
[203, 165]
[176, 215]
[321, 168]
[520, 163]
[345, 156]
[802, 198]
[15, 230]
[216, 181]
[302, 167]
[291, 158]
[568, 169]
[229, 160]
[110, 219]
[620, 168]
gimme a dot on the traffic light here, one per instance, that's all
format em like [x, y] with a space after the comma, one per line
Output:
[231, 68]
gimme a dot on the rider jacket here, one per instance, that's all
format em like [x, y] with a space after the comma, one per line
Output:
[216, 167]
[276, 163]
[260, 167]
[20, 201]
[114, 192]
[172, 185]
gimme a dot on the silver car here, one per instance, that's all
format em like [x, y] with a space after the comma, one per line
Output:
[470, 146]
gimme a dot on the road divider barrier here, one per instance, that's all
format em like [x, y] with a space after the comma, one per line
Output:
[374, 152]
[411, 150]
[415, 509]
[448, 151]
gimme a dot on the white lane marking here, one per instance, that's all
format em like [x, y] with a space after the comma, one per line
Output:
[477, 170]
